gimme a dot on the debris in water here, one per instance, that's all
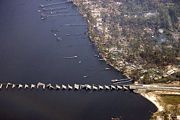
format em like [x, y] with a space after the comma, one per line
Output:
[41, 5]
[58, 38]
[101, 59]
[43, 18]
[55, 34]
[70, 57]
[67, 34]
[96, 55]
[107, 68]
[85, 76]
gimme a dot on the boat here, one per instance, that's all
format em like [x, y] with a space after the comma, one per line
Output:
[107, 68]
[121, 81]
[115, 80]
[70, 57]
[85, 76]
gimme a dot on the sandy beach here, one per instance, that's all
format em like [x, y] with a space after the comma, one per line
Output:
[154, 99]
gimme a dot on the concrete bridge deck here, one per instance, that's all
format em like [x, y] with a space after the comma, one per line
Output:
[153, 87]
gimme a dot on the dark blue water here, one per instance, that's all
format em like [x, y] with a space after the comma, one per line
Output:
[31, 52]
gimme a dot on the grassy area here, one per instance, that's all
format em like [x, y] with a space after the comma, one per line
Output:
[171, 99]
[171, 104]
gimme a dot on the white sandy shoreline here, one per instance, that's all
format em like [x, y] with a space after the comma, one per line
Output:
[154, 99]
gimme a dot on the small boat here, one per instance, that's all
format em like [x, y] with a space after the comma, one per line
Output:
[70, 57]
[123, 81]
[85, 76]
[55, 34]
[43, 18]
[107, 68]
[115, 80]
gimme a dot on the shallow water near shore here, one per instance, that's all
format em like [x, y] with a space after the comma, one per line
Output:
[34, 50]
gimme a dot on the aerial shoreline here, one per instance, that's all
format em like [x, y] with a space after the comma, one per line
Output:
[150, 96]
[96, 43]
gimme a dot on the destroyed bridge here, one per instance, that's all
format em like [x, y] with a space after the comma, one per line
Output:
[89, 87]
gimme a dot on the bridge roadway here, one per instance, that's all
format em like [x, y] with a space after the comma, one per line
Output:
[87, 87]
[155, 87]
